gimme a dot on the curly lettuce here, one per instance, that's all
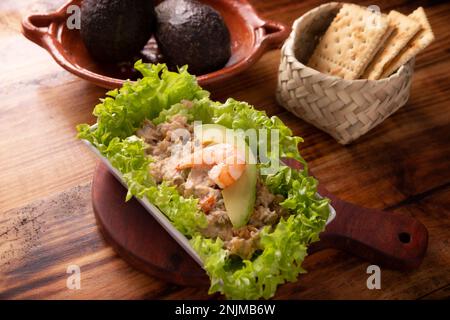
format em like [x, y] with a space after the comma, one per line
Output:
[283, 248]
[158, 96]
[122, 112]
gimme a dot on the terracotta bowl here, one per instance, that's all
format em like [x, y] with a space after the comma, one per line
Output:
[251, 36]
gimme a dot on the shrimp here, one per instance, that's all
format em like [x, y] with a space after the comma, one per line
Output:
[225, 162]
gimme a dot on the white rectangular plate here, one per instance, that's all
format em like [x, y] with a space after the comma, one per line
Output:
[160, 217]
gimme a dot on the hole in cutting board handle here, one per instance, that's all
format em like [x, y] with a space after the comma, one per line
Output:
[404, 237]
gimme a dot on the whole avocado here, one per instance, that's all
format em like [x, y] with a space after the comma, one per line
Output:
[116, 30]
[192, 33]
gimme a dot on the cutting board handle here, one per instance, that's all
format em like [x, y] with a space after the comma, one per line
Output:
[389, 239]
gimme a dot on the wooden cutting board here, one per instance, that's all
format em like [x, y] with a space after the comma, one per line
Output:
[391, 240]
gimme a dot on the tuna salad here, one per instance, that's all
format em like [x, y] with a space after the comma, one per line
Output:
[163, 146]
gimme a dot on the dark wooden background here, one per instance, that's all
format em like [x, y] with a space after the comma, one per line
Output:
[46, 220]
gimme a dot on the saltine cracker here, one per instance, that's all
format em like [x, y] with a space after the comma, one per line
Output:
[404, 28]
[419, 42]
[350, 42]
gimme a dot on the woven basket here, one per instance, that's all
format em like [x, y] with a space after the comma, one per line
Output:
[346, 109]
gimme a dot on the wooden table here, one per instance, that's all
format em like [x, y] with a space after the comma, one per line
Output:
[46, 220]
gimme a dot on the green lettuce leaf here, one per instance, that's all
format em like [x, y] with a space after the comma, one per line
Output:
[128, 156]
[283, 248]
[122, 112]
[158, 96]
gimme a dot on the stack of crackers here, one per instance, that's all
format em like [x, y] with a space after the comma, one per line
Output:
[364, 44]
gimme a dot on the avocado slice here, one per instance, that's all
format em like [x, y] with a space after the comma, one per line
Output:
[239, 198]
[192, 33]
[116, 30]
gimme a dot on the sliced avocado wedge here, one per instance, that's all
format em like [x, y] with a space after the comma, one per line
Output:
[239, 198]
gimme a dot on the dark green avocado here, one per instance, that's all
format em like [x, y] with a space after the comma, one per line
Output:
[192, 33]
[116, 30]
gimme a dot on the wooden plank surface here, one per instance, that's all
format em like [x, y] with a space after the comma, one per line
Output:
[403, 164]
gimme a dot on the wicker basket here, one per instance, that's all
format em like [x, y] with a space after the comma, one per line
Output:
[346, 109]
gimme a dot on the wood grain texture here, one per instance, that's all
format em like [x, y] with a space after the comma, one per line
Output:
[389, 240]
[402, 165]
